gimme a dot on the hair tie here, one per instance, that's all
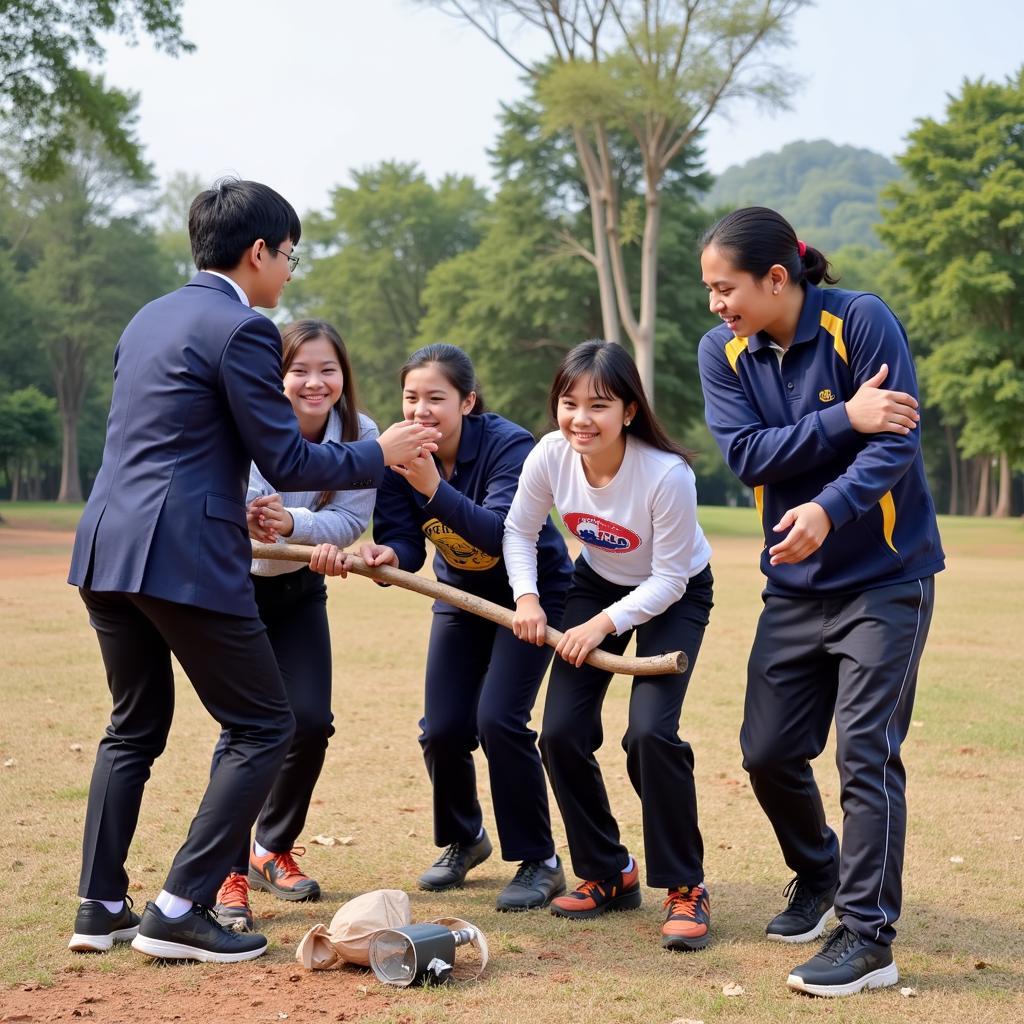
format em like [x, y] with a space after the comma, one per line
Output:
[801, 248]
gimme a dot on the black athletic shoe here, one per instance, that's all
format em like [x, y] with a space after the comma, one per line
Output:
[97, 929]
[195, 935]
[804, 919]
[535, 885]
[846, 964]
[449, 870]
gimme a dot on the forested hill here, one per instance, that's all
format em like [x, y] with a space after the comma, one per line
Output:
[829, 192]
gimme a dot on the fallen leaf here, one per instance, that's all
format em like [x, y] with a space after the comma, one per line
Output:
[346, 840]
[324, 841]
[294, 977]
[981, 965]
[732, 989]
[908, 993]
[1017, 839]
[10, 762]
[956, 860]
[550, 955]
[411, 833]
[75, 748]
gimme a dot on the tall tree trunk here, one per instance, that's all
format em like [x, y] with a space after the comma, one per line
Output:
[597, 190]
[1003, 503]
[984, 467]
[643, 343]
[16, 481]
[70, 481]
[954, 472]
[70, 381]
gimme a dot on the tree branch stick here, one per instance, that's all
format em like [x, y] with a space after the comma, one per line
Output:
[659, 665]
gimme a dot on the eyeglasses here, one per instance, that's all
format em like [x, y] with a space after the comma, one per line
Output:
[293, 261]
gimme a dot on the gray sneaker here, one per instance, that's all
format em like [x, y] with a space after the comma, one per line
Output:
[535, 885]
[449, 870]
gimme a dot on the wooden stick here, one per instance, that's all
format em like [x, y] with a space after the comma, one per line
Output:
[669, 663]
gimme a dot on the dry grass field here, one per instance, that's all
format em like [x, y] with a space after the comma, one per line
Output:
[961, 941]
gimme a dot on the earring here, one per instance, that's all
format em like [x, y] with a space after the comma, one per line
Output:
[625, 423]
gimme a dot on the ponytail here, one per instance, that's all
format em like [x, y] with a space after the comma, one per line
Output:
[757, 238]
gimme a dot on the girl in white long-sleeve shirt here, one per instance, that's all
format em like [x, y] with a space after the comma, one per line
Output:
[628, 494]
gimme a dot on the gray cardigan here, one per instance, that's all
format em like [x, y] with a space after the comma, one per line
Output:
[341, 521]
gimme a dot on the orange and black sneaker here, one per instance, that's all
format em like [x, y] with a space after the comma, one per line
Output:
[232, 909]
[688, 921]
[278, 873]
[591, 899]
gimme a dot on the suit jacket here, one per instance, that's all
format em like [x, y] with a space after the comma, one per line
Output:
[197, 396]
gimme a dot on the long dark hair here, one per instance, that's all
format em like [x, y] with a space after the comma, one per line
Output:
[755, 238]
[614, 375]
[293, 337]
[456, 366]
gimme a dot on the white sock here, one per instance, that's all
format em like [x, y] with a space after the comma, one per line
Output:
[259, 850]
[171, 905]
[114, 906]
[551, 862]
[629, 865]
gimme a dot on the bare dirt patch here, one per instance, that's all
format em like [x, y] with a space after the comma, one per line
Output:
[146, 994]
[31, 552]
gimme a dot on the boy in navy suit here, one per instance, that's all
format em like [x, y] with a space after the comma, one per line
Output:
[162, 558]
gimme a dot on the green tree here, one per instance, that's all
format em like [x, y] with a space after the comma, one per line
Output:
[28, 437]
[172, 222]
[371, 255]
[956, 226]
[657, 71]
[46, 98]
[522, 298]
[86, 272]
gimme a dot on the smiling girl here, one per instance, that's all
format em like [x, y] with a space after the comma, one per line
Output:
[291, 599]
[627, 492]
[793, 394]
[480, 682]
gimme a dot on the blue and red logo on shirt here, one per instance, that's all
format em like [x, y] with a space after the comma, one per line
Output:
[601, 533]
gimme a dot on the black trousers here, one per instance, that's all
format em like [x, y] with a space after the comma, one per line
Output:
[481, 685]
[293, 607]
[659, 763]
[230, 663]
[854, 658]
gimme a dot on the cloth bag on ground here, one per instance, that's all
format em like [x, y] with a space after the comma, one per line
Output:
[348, 937]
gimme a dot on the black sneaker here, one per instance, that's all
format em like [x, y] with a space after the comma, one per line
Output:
[846, 964]
[195, 935]
[449, 870]
[804, 919]
[97, 929]
[535, 885]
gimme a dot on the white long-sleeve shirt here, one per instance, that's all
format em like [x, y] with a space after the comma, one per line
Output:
[341, 521]
[639, 530]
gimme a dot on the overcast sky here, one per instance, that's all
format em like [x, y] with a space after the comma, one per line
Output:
[295, 94]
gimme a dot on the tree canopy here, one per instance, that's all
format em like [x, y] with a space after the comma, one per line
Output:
[956, 226]
[47, 98]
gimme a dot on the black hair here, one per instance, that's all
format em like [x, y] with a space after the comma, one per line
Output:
[225, 220]
[614, 375]
[755, 238]
[454, 364]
